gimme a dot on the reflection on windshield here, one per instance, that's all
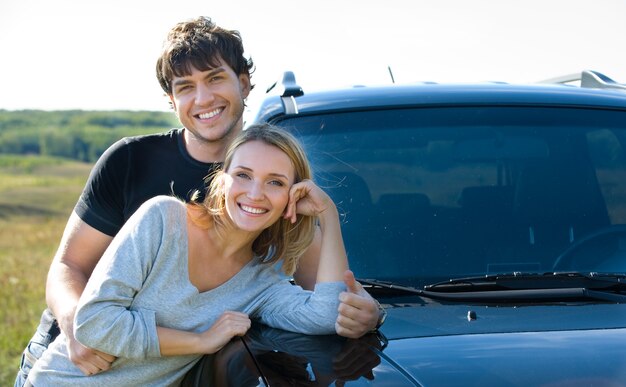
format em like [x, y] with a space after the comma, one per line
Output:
[433, 194]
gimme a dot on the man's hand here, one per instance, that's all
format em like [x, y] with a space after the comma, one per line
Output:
[358, 312]
[89, 361]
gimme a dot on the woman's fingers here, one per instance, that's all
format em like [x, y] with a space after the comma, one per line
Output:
[227, 326]
[297, 192]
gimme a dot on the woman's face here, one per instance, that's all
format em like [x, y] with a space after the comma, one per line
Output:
[257, 185]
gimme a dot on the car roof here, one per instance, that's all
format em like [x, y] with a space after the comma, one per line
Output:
[431, 95]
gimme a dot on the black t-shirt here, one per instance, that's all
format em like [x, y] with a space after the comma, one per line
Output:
[135, 169]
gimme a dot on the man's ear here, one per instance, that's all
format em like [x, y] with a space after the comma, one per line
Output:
[244, 84]
[173, 103]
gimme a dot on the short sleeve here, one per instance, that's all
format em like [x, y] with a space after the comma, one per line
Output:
[101, 204]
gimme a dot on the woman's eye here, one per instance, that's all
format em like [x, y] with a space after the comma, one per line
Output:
[277, 183]
[243, 175]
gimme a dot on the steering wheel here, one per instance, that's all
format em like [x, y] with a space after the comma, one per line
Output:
[563, 260]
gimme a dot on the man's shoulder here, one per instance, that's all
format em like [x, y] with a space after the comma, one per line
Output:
[166, 137]
[141, 143]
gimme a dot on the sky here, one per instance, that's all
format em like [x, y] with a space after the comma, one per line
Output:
[101, 55]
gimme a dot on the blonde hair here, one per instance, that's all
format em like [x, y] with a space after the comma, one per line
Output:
[282, 240]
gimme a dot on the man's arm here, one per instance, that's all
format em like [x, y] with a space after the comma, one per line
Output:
[358, 312]
[79, 251]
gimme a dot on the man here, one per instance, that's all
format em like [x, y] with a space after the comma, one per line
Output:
[203, 71]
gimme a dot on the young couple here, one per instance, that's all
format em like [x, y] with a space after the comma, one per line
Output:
[180, 280]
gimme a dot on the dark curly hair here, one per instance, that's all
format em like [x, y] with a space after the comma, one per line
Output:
[200, 43]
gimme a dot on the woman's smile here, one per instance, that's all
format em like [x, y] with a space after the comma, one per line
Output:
[252, 210]
[257, 185]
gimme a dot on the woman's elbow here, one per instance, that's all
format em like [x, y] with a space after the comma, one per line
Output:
[87, 331]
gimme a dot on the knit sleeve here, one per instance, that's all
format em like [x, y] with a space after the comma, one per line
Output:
[105, 318]
[291, 308]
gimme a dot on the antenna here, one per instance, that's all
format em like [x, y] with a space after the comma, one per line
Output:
[391, 74]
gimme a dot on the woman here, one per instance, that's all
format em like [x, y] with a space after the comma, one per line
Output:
[181, 280]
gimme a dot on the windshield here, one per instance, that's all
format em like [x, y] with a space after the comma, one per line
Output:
[431, 194]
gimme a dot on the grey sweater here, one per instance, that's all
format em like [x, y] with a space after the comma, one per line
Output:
[142, 281]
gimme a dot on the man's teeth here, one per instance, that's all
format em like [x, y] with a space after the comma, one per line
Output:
[210, 114]
[253, 210]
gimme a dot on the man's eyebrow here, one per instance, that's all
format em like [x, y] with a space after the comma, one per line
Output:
[215, 71]
[180, 81]
[184, 81]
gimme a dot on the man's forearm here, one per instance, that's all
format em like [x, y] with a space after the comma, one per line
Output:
[63, 289]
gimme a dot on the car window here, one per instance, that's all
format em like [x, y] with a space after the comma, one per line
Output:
[606, 151]
[434, 193]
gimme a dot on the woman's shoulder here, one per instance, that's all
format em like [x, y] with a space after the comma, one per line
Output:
[163, 206]
[165, 200]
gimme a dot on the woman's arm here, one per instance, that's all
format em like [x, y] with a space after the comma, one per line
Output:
[175, 342]
[106, 318]
[333, 260]
[291, 308]
[306, 198]
[358, 311]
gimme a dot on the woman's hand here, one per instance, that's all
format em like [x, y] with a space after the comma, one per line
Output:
[227, 326]
[174, 342]
[306, 198]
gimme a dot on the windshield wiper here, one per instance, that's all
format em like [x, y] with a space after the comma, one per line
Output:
[390, 286]
[518, 287]
[530, 281]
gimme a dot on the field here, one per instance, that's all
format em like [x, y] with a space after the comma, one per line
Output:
[37, 195]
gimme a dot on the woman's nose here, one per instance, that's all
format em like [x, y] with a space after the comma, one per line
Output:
[256, 191]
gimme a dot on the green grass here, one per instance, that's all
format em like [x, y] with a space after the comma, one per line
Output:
[37, 195]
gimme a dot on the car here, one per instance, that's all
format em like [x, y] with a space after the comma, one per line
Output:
[488, 220]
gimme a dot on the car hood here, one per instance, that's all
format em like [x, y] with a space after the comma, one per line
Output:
[540, 345]
[558, 358]
[424, 344]
[407, 320]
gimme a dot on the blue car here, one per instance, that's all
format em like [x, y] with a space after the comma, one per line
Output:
[489, 220]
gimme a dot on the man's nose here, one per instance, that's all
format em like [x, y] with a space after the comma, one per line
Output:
[204, 95]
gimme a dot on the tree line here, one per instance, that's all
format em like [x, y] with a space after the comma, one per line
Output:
[75, 134]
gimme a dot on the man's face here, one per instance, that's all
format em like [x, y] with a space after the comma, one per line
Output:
[210, 103]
